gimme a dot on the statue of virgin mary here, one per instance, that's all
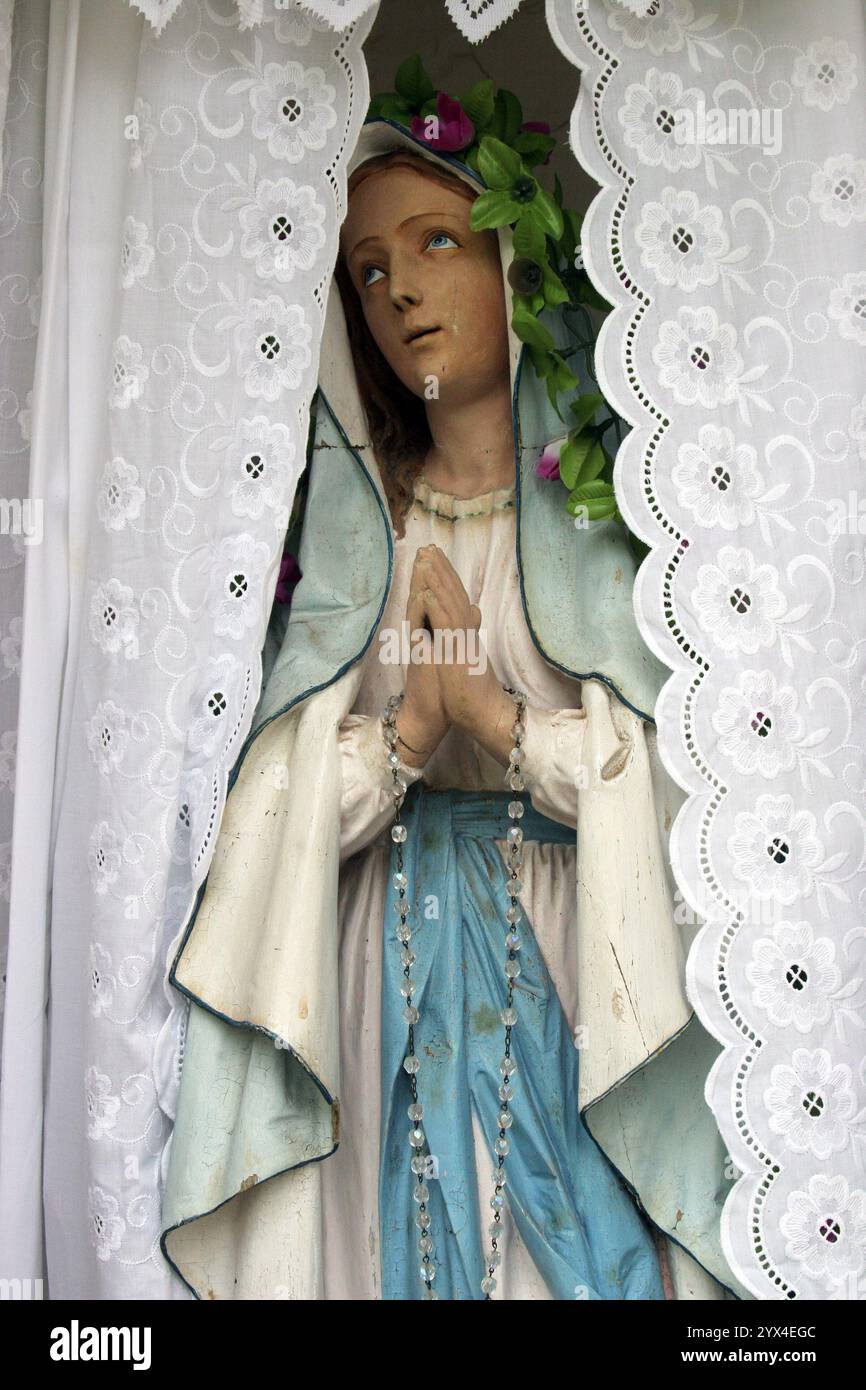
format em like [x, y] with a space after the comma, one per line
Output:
[305, 1131]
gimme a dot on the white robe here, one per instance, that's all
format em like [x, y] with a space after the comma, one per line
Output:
[477, 535]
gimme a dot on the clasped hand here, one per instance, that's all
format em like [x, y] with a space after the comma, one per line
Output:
[448, 691]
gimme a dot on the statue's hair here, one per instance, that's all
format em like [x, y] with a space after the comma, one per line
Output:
[396, 418]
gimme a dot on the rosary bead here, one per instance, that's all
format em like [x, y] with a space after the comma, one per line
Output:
[422, 1220]
[515, 755]
[506, 1119]
[401, 881]
[494, 1230]
[419, 1165]
[513, 914]
[415, 1111]
[515, 809]
[516, 782]
[425, 1246]
[411, 1014]
[407, 956]
[507, 1066]
[407, 989]
[416, 1137]
[498, 1178]
[512, 969]
[502, 1145]
[517, 729]
[421, 1193]
[488, 1284]
[402, 931]
[494, 1258]
[497, 1201]
[428, 1271]
[514, 836]
[515, 886]
[506, 1091]
[411, 1064]
[399, 834]
[509, 1017]
[513, 942]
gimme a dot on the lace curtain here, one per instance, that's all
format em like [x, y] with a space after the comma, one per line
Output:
[212, 289]
[729, 235]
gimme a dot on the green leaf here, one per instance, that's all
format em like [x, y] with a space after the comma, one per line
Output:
[529, 240]
[509, 116]
[595, 501]
[478, 103]
[528, 328]
[412, 82]
[573, 457]
[557, 189]
[394, 108]
[534, 146]
[592, 465]
[588, 294]
[544, 211]
[585, 407]
[554, 290]
[499, 165]
[560, 379]
[429, 108]
[493, 209]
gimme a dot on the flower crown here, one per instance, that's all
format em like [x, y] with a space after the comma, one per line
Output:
[486, 129]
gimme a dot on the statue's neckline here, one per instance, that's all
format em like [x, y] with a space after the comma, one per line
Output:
[452, 508]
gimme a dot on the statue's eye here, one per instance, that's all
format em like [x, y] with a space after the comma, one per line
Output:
[371, 274]
[440, 241]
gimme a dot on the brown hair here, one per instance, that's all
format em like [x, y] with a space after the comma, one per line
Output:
[396, 418]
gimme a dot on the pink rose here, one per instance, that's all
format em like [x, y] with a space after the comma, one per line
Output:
[454, 130]
[290, 573]
[548, 464]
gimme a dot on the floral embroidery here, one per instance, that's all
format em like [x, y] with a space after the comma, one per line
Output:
[794, 977]
[128, 374]
[681, 240]
[661, 32]
[104, 859]
[825, 74]
[812, 1103]
[106, 1224]
[236, 569]
[825, 1228]
[775, 850]
[217, 707]
[102, 982]
[758, 725]
[738, 602]
[102, 1106]
[848, 307]
[114, 619]
[260, 473]
[136, 253]
[839, 189]
[698, 359]
[293, 105]
[273, 347]
[283, 229]
[649, 117]
[120, 499]
[107, 736]
[717, 480]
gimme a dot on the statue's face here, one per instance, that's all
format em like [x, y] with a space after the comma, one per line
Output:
[431, 289]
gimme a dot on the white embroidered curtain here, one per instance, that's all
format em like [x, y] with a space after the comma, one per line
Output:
[166, 398]
[729, 235]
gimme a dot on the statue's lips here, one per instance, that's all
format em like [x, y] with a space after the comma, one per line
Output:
[421, 335]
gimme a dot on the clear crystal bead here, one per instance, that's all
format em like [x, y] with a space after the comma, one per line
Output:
[394, 758]
[512, 969]
[400, 785]
[494, 1258]
[400, 881]
[502, 1145]
[422, 1220]
[403, 931]
[407, 956]
[513, 914]
[515, 755]
[421, 1193]
[515, 809]
[515, 886]
[488, 1284]
[513, 941]
[506, 1091]
[403, 906]
[407, 988]
[398, 834]
[390, 735]
[410, 1014]
[428, 1271]
[411, 1064]
[499, 1177]
[415, 1111]
[497, 1201]
[507, 1066]
[509, 1017]
[514, 836]
[494, 1230]
[418, 1165]
[506, 1119]
[416, 1137]
[516, 782]
[518, 729]
[425, 1246]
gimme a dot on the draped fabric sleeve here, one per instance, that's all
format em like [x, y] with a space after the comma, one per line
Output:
[552, 761]
[367, 802]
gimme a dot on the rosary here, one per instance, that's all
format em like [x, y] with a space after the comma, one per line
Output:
[411, 1015]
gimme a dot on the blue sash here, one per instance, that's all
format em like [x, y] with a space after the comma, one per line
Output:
[579, 1224]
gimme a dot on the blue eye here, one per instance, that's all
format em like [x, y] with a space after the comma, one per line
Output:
[371, 274]
[441, 241]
